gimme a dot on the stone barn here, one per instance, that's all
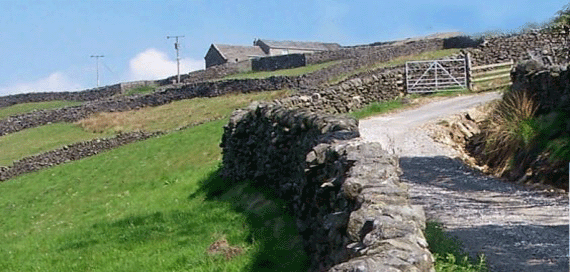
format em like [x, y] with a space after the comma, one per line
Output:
[221, 53]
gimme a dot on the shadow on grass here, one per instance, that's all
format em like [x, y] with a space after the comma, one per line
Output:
[267, 229]
[271, 225]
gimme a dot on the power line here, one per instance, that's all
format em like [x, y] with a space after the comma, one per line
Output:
[177, 47]
[97, 60]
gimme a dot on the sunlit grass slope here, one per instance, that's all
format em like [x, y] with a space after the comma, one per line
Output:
[176, 114]
[140, 208]
[28, 107]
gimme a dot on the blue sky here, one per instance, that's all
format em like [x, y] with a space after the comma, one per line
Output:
[46, 45]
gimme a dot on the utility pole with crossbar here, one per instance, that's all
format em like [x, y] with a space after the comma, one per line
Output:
[97, 57]
[177, 47]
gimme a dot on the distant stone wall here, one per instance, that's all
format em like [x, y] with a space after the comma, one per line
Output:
[71, 152]
[278, 62]
[125, 86]
[372, 54]
[351, 94]
[115, 104]
[351, 209]
[87, 95]
[549, 42]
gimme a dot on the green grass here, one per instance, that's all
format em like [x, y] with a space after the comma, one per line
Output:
[378, 108]
[141, 90]
[176, 114]
[32, 141]
[141, 207]
[395, 62]
[29, 107]
[449, 257]
[285, 72]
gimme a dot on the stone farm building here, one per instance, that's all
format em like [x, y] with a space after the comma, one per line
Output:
[221, 53]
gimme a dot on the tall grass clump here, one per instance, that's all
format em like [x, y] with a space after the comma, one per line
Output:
[510, 128]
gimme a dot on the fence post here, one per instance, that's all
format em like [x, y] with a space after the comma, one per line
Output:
[468, 71]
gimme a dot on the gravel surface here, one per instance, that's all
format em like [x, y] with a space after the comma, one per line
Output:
[515, 227]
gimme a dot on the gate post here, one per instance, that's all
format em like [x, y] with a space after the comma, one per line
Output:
[468, 71]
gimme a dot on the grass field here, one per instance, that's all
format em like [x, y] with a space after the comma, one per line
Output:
[143, 207]
[29, 107]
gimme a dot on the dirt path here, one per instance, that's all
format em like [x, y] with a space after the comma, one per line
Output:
[518, 229]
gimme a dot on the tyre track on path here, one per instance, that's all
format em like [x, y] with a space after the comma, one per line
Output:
[517, 228]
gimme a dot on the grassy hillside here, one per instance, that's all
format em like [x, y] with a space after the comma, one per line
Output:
[142, 208]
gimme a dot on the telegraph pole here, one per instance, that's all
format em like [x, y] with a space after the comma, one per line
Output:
[177, 47]
[97, 59]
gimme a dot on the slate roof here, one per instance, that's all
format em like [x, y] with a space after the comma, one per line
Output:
[317, 46]
[232, 52]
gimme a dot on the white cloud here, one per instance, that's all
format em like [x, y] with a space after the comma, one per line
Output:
[56, 82]
[153, 64]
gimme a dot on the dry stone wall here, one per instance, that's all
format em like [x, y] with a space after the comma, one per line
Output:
[551, 43]
[376, 53]
[71, 152]
[351, 208]
[87, 95]
[549, 85]
[351, 94]
[278, 62]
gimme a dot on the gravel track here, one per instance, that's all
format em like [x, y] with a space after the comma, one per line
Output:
[515, 227]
